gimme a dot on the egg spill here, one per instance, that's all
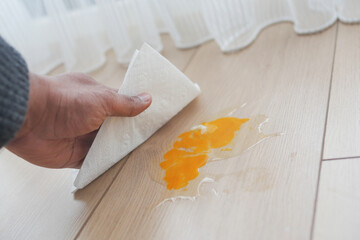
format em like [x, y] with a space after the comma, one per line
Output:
[193, 148]
[180, 168]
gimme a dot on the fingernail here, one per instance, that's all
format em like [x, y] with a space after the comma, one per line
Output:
[145, 97]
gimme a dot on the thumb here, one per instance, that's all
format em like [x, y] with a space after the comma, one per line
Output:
[128, 106]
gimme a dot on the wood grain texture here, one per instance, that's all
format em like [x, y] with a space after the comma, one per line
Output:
[343, 124]
[281, 75]
[338, 205]
[37, 203]
[113, 73]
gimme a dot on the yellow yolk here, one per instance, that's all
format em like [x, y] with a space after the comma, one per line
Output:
[190, 152]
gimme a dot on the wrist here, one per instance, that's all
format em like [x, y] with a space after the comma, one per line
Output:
[38, 90]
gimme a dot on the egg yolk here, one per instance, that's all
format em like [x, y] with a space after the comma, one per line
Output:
[190, 151]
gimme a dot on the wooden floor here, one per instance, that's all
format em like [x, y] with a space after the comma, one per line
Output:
[304, 184]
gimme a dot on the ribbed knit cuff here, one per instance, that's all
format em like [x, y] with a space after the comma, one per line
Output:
[14, 92]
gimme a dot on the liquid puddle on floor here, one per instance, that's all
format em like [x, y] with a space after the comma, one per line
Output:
[180, 169]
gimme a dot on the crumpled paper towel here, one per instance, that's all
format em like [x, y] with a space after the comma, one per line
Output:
[171, 91]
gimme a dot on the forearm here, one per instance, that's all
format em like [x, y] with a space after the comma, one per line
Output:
[14, 92]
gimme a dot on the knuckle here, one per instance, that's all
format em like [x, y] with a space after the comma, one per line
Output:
[82, 77]
[109, 94]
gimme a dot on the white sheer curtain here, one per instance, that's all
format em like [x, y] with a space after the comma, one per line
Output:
[78, 32]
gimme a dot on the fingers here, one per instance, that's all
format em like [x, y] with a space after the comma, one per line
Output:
[81, 148]
[128, 106]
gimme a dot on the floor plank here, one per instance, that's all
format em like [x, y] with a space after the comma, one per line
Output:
[37, 203]
[343, 124]
[281, 75]
[112, 72]
[338, 206]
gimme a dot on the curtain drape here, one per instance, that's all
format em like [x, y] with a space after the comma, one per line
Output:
[79, 32]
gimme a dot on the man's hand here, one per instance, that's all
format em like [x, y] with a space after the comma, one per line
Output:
[63, 117]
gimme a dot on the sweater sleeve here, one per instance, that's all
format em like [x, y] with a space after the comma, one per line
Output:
[14, 92]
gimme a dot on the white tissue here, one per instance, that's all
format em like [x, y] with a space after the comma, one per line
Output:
[171, 91]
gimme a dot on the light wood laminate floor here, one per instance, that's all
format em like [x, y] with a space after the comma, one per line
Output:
[304, 184]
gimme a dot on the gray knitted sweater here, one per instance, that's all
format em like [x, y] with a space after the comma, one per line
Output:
[14, 92]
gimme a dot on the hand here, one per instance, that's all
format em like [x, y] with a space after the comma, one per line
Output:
[64, 114]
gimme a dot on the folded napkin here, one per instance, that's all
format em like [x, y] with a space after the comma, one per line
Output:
[171, 91]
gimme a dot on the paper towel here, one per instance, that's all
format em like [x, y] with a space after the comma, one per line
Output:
[171, 91]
